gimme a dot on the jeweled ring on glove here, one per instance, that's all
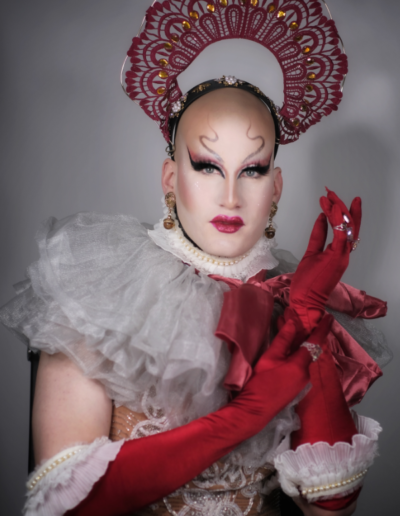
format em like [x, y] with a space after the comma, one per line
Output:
[348, 229]
[314, 350]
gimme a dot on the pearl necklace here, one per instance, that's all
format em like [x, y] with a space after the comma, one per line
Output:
[198, 253]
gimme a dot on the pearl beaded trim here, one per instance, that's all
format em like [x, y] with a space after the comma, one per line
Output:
[343, 483]
[52, 464]
[205, 256]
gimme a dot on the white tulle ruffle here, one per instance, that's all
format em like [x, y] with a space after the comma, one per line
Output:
[67, 484]
[320, 471]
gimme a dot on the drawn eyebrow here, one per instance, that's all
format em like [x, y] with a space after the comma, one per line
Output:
[203, 137]
[259, 149]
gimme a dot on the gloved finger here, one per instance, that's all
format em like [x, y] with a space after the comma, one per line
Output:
[356, 213]
[339, 243]
[300, 360]
[318, 236]
[326, 205]
[319, 335]
[336, 200]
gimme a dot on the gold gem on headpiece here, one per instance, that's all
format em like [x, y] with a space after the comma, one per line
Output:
[186, 25]
[201, 87]
[306, 50]
[271, 8]
[194, 15]
[294, 26]
[168, 46]
[309, 87]
[295, 122]
[161, 90]
[163, 74]
[299, 37]
[175, 38]
[309, 61]
[311, 76]
[223, 3]
[163, 62]
[211, 8]
[254, 3]
[281, 15]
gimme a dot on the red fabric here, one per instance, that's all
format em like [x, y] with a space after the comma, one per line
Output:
[338, 504]
[147, 469]
[241, 317]
[244, 325]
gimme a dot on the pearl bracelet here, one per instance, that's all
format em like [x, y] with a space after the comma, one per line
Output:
[343, 483]
[53, 463]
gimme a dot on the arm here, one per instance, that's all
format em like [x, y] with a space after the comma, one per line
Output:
[313, 510]
[68, 407]
[119, 478]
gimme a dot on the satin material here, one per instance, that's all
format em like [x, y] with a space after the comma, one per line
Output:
[245, 320]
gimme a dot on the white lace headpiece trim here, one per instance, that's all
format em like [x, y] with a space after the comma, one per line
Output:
[242, 267]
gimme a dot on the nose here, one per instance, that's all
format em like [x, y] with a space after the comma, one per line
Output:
[230, 198]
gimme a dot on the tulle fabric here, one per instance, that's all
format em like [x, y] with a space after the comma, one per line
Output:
[128, 313]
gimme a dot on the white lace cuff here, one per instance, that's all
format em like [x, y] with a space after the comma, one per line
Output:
[322, 472]
[65, 480]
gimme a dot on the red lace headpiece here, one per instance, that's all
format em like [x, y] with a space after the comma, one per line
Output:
[303, 40]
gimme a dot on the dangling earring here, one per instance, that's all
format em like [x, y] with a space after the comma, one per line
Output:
[270, 230]
[170, 201]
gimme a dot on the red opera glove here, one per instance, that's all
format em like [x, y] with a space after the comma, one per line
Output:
[320, 270]
[150, 468]
[330, 454]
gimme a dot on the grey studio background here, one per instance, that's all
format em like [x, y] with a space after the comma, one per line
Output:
[72, 141]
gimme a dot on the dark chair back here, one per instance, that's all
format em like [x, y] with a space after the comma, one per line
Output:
[33, 357]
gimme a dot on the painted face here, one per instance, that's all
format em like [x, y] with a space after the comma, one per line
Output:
[224, 178]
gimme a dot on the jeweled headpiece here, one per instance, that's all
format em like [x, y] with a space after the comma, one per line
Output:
[305, 42]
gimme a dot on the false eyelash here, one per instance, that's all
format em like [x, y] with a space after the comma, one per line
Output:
[262, 170]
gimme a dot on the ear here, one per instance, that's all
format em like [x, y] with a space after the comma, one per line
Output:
[278, 184]
[168, 176]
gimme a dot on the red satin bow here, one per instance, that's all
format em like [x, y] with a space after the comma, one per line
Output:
[245, 320]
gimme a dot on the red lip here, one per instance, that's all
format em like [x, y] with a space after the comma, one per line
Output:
[226, 224]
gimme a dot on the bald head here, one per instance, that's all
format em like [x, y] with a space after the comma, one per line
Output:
[222, 113]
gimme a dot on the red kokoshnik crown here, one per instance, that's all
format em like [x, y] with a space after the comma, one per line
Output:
[304, 41]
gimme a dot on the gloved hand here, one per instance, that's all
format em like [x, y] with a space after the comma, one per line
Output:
[150, 468]
[324, 414]
[320, 270]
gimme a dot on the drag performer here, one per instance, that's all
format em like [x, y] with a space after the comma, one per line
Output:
[193, 369]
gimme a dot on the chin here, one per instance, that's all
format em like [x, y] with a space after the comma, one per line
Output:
[228, 246]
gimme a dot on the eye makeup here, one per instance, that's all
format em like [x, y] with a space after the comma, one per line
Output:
[199, 166]
[256, 168]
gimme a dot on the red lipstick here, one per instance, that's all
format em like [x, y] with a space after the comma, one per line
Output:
[226, 224]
